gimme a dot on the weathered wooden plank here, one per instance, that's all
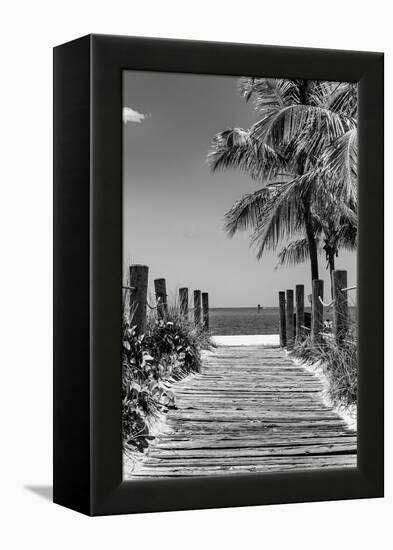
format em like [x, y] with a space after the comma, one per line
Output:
[340, 461]
[205, 310]
[161, 298]
[249, 410]
[283, 328]
[299, 292]
[197, 306]
[235, 443]
[191, 444]
[235, 452]
[340, 305]
[317, 311]
[247, 461]
[289, 319]
[138, 296]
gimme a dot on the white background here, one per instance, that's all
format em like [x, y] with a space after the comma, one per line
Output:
[29, 30]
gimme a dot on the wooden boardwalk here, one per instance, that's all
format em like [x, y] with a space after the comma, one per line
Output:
[251, 409]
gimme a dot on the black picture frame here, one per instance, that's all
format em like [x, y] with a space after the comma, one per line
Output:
[88, 274]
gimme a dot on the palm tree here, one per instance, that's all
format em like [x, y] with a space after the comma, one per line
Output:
[335, 228]
[298, 150]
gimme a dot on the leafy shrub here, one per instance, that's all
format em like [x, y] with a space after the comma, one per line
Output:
[167, 352]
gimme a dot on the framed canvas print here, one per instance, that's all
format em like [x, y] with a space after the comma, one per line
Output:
[218, 275]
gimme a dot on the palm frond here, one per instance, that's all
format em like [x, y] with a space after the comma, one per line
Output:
[294, 253]
[307, 129]
[269, 93]
[235, 148]
[339, 166]
[282, 215]
[339, 97]
[247, 211]
[246, 87]
[347, 236]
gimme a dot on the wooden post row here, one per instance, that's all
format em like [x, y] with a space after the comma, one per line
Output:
[183, 300]
[283, 330]
[340, 305]
[197, 306]
[299, 312]
[138, 296]
[161, 298]
[205, 307]
[289, 318]
[316, 311]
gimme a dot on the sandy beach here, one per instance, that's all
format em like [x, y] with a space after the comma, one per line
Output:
[247, 340]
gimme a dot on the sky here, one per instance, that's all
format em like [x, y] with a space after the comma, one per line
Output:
[174, 207]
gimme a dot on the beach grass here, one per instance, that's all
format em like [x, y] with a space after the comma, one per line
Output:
[339, 364]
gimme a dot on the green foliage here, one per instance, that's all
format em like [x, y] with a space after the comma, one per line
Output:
[166, 353]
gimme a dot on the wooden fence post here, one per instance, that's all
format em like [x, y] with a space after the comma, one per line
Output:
[183, 299]
[289, 319]
[283, 330]
[197, 307]
[138, 296]
[340, 305]
[299, 312]
[316, 311]
[161, 298]
[205, 307]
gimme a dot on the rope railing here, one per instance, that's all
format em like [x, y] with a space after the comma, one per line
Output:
[137, 301]
[292, 318]
[324, 303]
[347, 289]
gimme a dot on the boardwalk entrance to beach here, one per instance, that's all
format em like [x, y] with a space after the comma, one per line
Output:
[250, 409]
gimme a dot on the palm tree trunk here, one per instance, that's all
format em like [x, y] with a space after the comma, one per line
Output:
[331, 269]
[312, 245]
[304, 87]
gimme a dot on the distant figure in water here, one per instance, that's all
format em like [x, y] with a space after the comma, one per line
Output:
[259, 308]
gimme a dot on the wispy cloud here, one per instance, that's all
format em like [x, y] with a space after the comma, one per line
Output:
[129, 115]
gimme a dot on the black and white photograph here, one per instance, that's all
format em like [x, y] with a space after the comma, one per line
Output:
[195, 311]
[240, 236]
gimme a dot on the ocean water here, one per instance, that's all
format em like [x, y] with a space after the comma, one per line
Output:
[247, 320]
[244, 320]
